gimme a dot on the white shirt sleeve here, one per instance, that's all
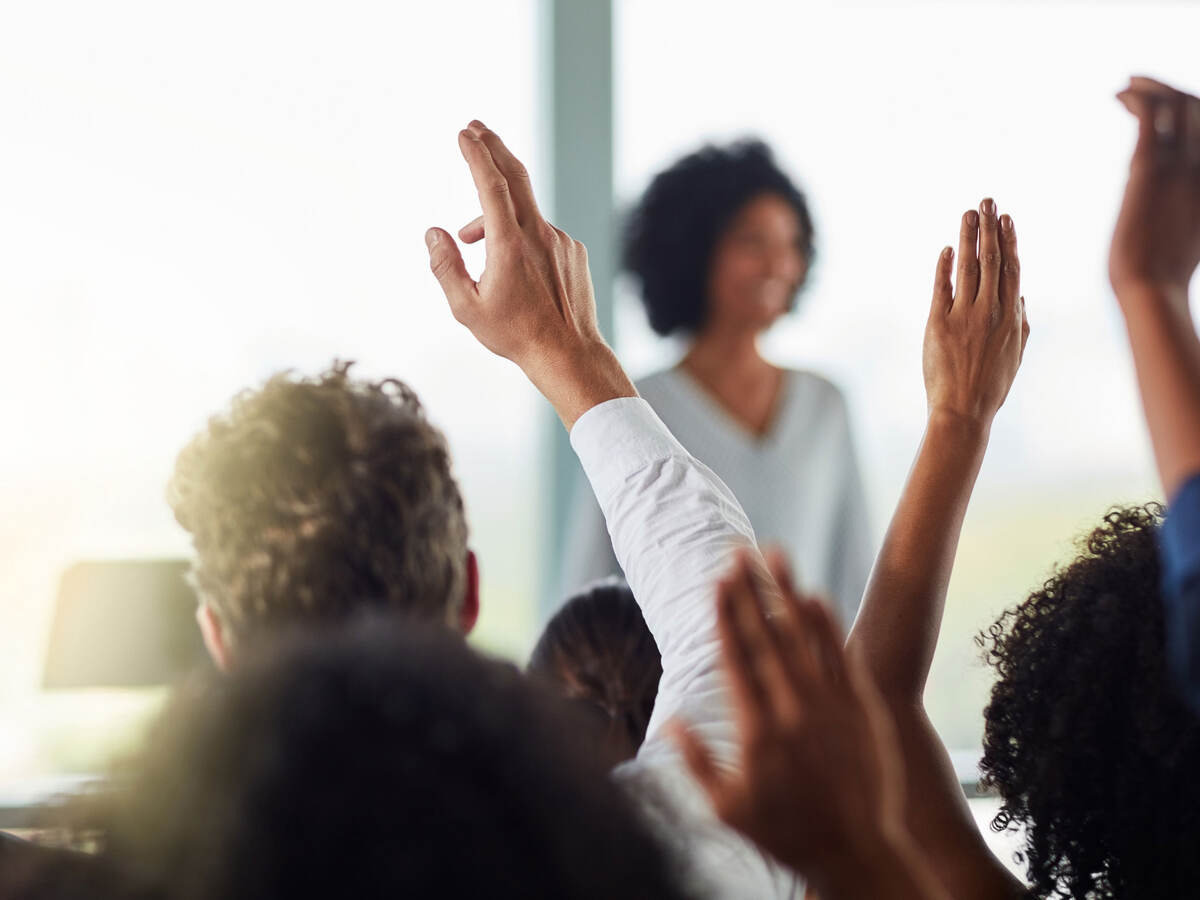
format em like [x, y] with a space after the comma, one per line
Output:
[675, 527]
[587, 548]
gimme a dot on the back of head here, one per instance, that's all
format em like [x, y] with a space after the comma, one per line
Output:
[31, 872]
[598, 651]
[1085, 738]
[673, 230]
[377, 762]
[310, 499]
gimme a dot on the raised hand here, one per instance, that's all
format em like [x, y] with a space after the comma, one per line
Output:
[1155, 248]
[977, 328]
[1156, 243]
[819, 781]
[974, 341]
[533, 303]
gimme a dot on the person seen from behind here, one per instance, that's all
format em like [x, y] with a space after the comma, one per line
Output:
[597, 652]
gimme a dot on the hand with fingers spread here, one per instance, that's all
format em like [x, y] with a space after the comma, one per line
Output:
[533, 303]
[1156, 243]
[977, 328]
[818, 783]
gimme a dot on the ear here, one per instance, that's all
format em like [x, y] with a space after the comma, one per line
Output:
[468, 614]
[213, 632]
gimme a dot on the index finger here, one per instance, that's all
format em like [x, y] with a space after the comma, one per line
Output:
[967, 282]
[749, 694]
[1151, 85]
[1142, 109]
[493, 188]
[825, 636]
[519, 183]
[761, 644]
[1165, 127]
[803, 650]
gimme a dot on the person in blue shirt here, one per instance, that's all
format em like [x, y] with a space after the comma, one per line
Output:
[1155, 249]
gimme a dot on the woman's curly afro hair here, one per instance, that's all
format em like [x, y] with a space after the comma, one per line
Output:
[1090, 748]
[672, 231]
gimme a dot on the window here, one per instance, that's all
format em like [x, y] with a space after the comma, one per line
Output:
[200, 197]
[895, 118]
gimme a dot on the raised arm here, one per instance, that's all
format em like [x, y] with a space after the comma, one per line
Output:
[674, 524]
[974, 341]
[1155, 249]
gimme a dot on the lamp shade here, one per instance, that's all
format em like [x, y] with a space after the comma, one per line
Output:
[123, 623]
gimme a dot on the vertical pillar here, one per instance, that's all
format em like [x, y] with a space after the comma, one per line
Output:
[577, 99]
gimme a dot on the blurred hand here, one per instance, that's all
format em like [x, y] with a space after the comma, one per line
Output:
[1156, 242]
[977, 328]
[819, 782]
[533, 303]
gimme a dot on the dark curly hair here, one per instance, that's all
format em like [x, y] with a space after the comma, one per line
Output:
[597, 651]
[32, 872]
[373, 760]
[1085, 739]
[673, 230]
[311, 499]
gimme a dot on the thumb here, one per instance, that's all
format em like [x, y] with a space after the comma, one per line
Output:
[1142, 107]
[446, 263]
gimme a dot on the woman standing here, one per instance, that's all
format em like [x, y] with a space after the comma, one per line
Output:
[721, 243]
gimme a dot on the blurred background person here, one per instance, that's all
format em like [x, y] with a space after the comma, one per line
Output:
[721, 243]
[598, 652]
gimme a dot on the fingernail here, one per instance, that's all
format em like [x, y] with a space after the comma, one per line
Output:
[947, 252]
[1006, 223]
[468, 135]
[972, 218]
[431, 238]
[475, 123]
[988, 206]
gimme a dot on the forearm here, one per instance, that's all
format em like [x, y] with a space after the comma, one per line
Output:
[896, 634]
[1166, 356]
[890, 868]
[897, 628]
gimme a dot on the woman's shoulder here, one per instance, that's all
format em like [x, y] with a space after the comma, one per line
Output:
[813, 386]
[659, 376]
[662, 385]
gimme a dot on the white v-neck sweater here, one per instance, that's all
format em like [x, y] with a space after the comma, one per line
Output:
[799, 484]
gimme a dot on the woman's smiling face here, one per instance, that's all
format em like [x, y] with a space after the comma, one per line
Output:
[757, 266]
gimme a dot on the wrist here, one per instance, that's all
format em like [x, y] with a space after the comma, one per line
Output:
[884, 863]
[578, 375]
[1137, 295]
[973, 427]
